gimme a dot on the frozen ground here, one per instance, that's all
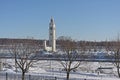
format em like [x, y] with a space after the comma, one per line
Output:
[87, 70]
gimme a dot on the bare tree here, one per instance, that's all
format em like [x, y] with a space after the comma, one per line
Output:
[24, 54]
[116, 49]
[69, 57]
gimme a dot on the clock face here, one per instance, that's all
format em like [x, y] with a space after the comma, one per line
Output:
[51, 28]
[50, 33]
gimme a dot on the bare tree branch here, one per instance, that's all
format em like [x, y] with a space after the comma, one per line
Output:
[24, 54]
[69, 57]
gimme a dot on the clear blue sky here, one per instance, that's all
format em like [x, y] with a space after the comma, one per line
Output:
[80, 19]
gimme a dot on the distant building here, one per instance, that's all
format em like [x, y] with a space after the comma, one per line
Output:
[52, 37]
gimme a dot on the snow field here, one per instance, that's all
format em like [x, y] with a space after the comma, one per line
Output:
[87, 70]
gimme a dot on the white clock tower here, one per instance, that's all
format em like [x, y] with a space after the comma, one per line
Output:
[52, 35]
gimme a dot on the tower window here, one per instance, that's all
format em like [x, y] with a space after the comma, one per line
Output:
[50, 33]
[50, 28]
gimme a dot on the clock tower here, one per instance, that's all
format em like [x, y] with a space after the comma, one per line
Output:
[52, 35]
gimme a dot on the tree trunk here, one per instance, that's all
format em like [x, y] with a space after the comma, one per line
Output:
[23, 75]
[118, 71]
[68, 73]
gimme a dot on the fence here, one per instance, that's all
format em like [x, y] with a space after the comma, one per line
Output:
[17, 76]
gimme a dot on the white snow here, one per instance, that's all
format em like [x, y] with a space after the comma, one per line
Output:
[87, 70]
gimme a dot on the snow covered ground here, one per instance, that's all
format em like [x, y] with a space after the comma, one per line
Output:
[44, 68]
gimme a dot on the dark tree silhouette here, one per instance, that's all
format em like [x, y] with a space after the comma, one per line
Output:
[116, 49]
[24, 54]
[69, 63]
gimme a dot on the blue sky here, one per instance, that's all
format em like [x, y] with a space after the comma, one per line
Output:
[80, 19]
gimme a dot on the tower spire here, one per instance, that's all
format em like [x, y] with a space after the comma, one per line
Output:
[52, 20]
